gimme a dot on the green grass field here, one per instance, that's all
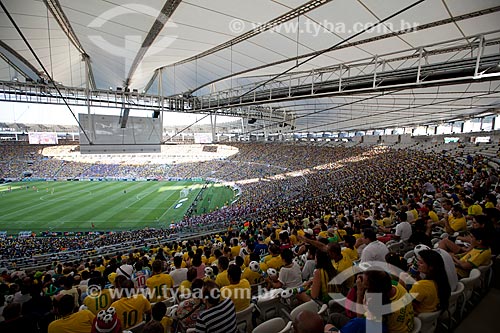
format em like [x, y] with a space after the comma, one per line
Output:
[109, 205]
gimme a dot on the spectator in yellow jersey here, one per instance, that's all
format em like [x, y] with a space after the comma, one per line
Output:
[207, 255]
[433, 292]
[349, 249]
[478, 222]
[240, 262]
[235, 248]
[98, 298]
[158, 312]
[77, 322]
[376, 281]
[132, 306]
[251, 276]
[159, 284]
[273, 260]
[427, 213]
[341, 263]
[480, 254]
[238, 289]
[456, 222]
[473, 208]
[490, 201]
[227, 252]
[222, 279]
[211, 256]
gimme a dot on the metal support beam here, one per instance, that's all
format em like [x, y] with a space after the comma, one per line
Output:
[89, 76]
[19, 63]
[479, 54]
[213, 123]
[419, 63]
[360, 42]
[160, 99]
[166, 12]
[436, 70]
[57, 12]
[91, 135]
[152, 80]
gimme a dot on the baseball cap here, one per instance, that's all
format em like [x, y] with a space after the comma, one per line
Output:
[112, 277]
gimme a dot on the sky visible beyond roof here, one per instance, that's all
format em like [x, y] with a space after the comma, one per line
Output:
[48, 114]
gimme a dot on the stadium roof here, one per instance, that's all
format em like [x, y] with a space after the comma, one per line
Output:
[314, 65]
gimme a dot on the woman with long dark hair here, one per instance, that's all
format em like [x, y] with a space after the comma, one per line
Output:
[322, 275]
[370, 317]
[432, 292]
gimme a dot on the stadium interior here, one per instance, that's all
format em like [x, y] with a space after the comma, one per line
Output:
[357, 142]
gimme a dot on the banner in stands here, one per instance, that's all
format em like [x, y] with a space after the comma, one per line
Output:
[202, 137]
[479, 139]
[451, 139]
[42, 138]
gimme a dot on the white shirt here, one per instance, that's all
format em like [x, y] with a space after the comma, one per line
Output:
[410, 217]
[403, 230]
[308, 269]
[375, 251]
[290, 277]
[139, 278]
[178, 275]
[428, 187]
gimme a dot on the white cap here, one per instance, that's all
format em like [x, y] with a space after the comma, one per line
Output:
[309, 231]
[125, 270]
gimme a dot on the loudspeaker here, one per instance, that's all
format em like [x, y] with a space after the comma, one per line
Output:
[124, 118]
[156, 114]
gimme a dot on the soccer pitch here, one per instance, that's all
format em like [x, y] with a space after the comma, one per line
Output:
[102, 205]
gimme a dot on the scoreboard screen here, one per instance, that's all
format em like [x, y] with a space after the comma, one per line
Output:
[42, 138]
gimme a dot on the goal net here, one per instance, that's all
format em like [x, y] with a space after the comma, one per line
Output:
[184, 193]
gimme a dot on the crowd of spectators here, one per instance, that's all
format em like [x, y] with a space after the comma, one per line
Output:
[326, 180]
